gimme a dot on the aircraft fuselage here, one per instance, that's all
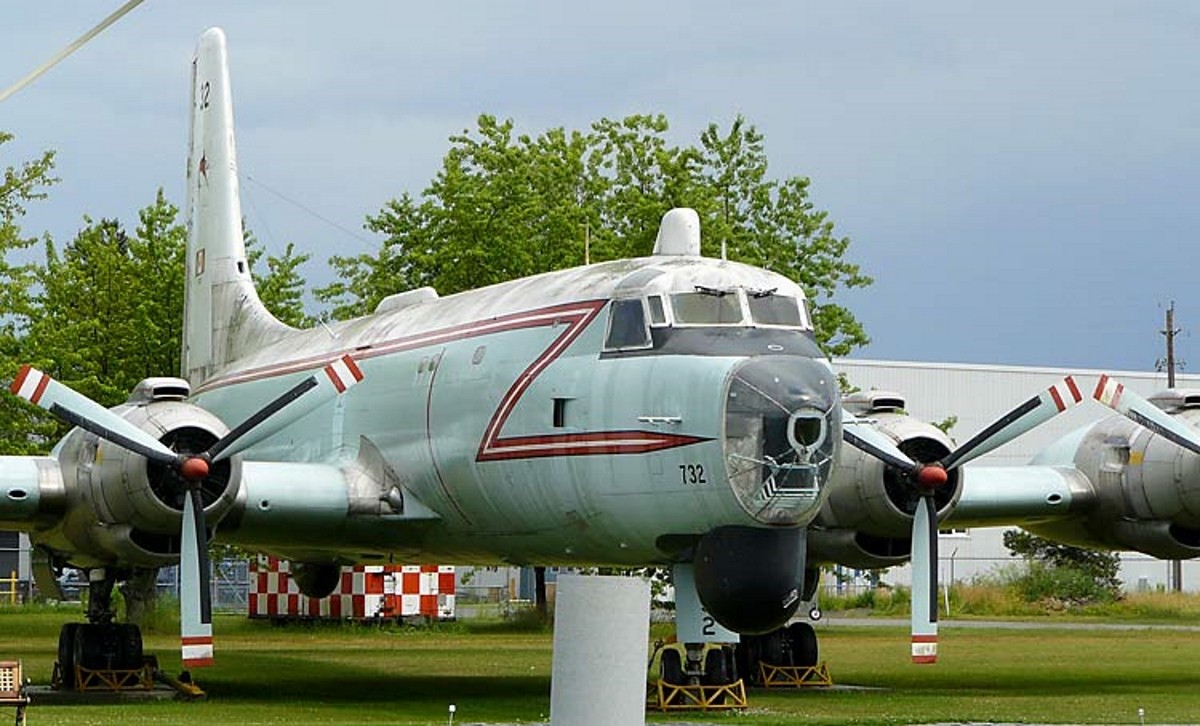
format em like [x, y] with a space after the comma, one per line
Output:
[538, 434]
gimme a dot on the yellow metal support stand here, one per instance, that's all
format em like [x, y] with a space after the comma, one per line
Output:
[773, 676]
[86, 679]
[670, 697]
[135, 679]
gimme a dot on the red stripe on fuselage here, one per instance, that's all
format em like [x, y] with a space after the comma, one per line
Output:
[585, 444]
[577, 320]
[541, 317]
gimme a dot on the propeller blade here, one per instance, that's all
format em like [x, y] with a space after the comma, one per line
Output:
[1030, 414]
[299, 401]
[866, 437]
[1113, 394]
[195, 603]
[79, 410]
[925, 582]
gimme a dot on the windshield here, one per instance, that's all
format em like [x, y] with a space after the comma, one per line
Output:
[707, 308]
[770, 309]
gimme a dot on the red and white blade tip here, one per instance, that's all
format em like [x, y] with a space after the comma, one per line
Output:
[197, 650]
[1108, 391]
[30, 384]
[343, 373]
[924, 649]
[1065, 394]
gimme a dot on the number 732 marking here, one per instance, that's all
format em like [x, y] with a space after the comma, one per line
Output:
[692, 474]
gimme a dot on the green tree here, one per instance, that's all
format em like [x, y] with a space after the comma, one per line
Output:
[87, 322]
[505, 205]
[157, 254]
[22, 428]
[109, 306]
[1063, 572]
[774, 225]
[281, 289]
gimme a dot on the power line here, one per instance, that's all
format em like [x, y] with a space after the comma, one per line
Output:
[74, 46]
[307, 210]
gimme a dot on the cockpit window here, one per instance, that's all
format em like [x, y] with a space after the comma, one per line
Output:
[707, 308]
[658, 312]
[627, 326]
[767, 308]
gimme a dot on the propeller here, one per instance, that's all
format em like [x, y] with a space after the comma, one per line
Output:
[1113, 394]
[195, 606]
[928, 478]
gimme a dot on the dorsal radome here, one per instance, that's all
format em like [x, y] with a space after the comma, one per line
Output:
[679, 233]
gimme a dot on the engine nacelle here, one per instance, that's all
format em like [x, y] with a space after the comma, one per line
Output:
[867, 496]
[857, 549]
[121, 504]
[1147, 488]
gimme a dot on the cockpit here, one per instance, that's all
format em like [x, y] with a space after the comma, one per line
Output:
[781, 421]
[641, 322]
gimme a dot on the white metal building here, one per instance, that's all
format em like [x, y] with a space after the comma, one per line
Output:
[979, 394]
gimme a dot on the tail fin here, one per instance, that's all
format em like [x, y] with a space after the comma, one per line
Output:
[223, 316]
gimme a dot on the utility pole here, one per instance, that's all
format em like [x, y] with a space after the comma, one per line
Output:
[1170, 332]
[1176, 574]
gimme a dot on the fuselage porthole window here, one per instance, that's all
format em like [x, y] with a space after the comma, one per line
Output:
[627, 326]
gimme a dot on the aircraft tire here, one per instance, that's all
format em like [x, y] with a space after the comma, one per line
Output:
[671, 668]
[803, 640]
[66, 655]
[745, 657]
[772, 649]
[716, 668]
[111, 646]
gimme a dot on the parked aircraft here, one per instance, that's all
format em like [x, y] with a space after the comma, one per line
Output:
[672, 410]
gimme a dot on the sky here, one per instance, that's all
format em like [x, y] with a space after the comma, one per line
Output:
[1019, 178]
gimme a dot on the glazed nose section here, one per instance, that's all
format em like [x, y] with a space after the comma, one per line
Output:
[782, 425]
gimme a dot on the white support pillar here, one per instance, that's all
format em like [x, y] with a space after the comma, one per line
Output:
[601, 640]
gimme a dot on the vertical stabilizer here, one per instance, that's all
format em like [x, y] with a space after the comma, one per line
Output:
[223, 316]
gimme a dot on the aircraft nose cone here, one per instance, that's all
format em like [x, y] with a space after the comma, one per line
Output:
[782, 429]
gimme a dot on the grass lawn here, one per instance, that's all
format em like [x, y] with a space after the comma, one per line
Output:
[342, 674]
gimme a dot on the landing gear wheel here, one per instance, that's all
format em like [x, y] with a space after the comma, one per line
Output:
[803, 640]
[66, 656]
[672, 668]
[717, 668]
[814, 614]
[772, 647]
[108, 646]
